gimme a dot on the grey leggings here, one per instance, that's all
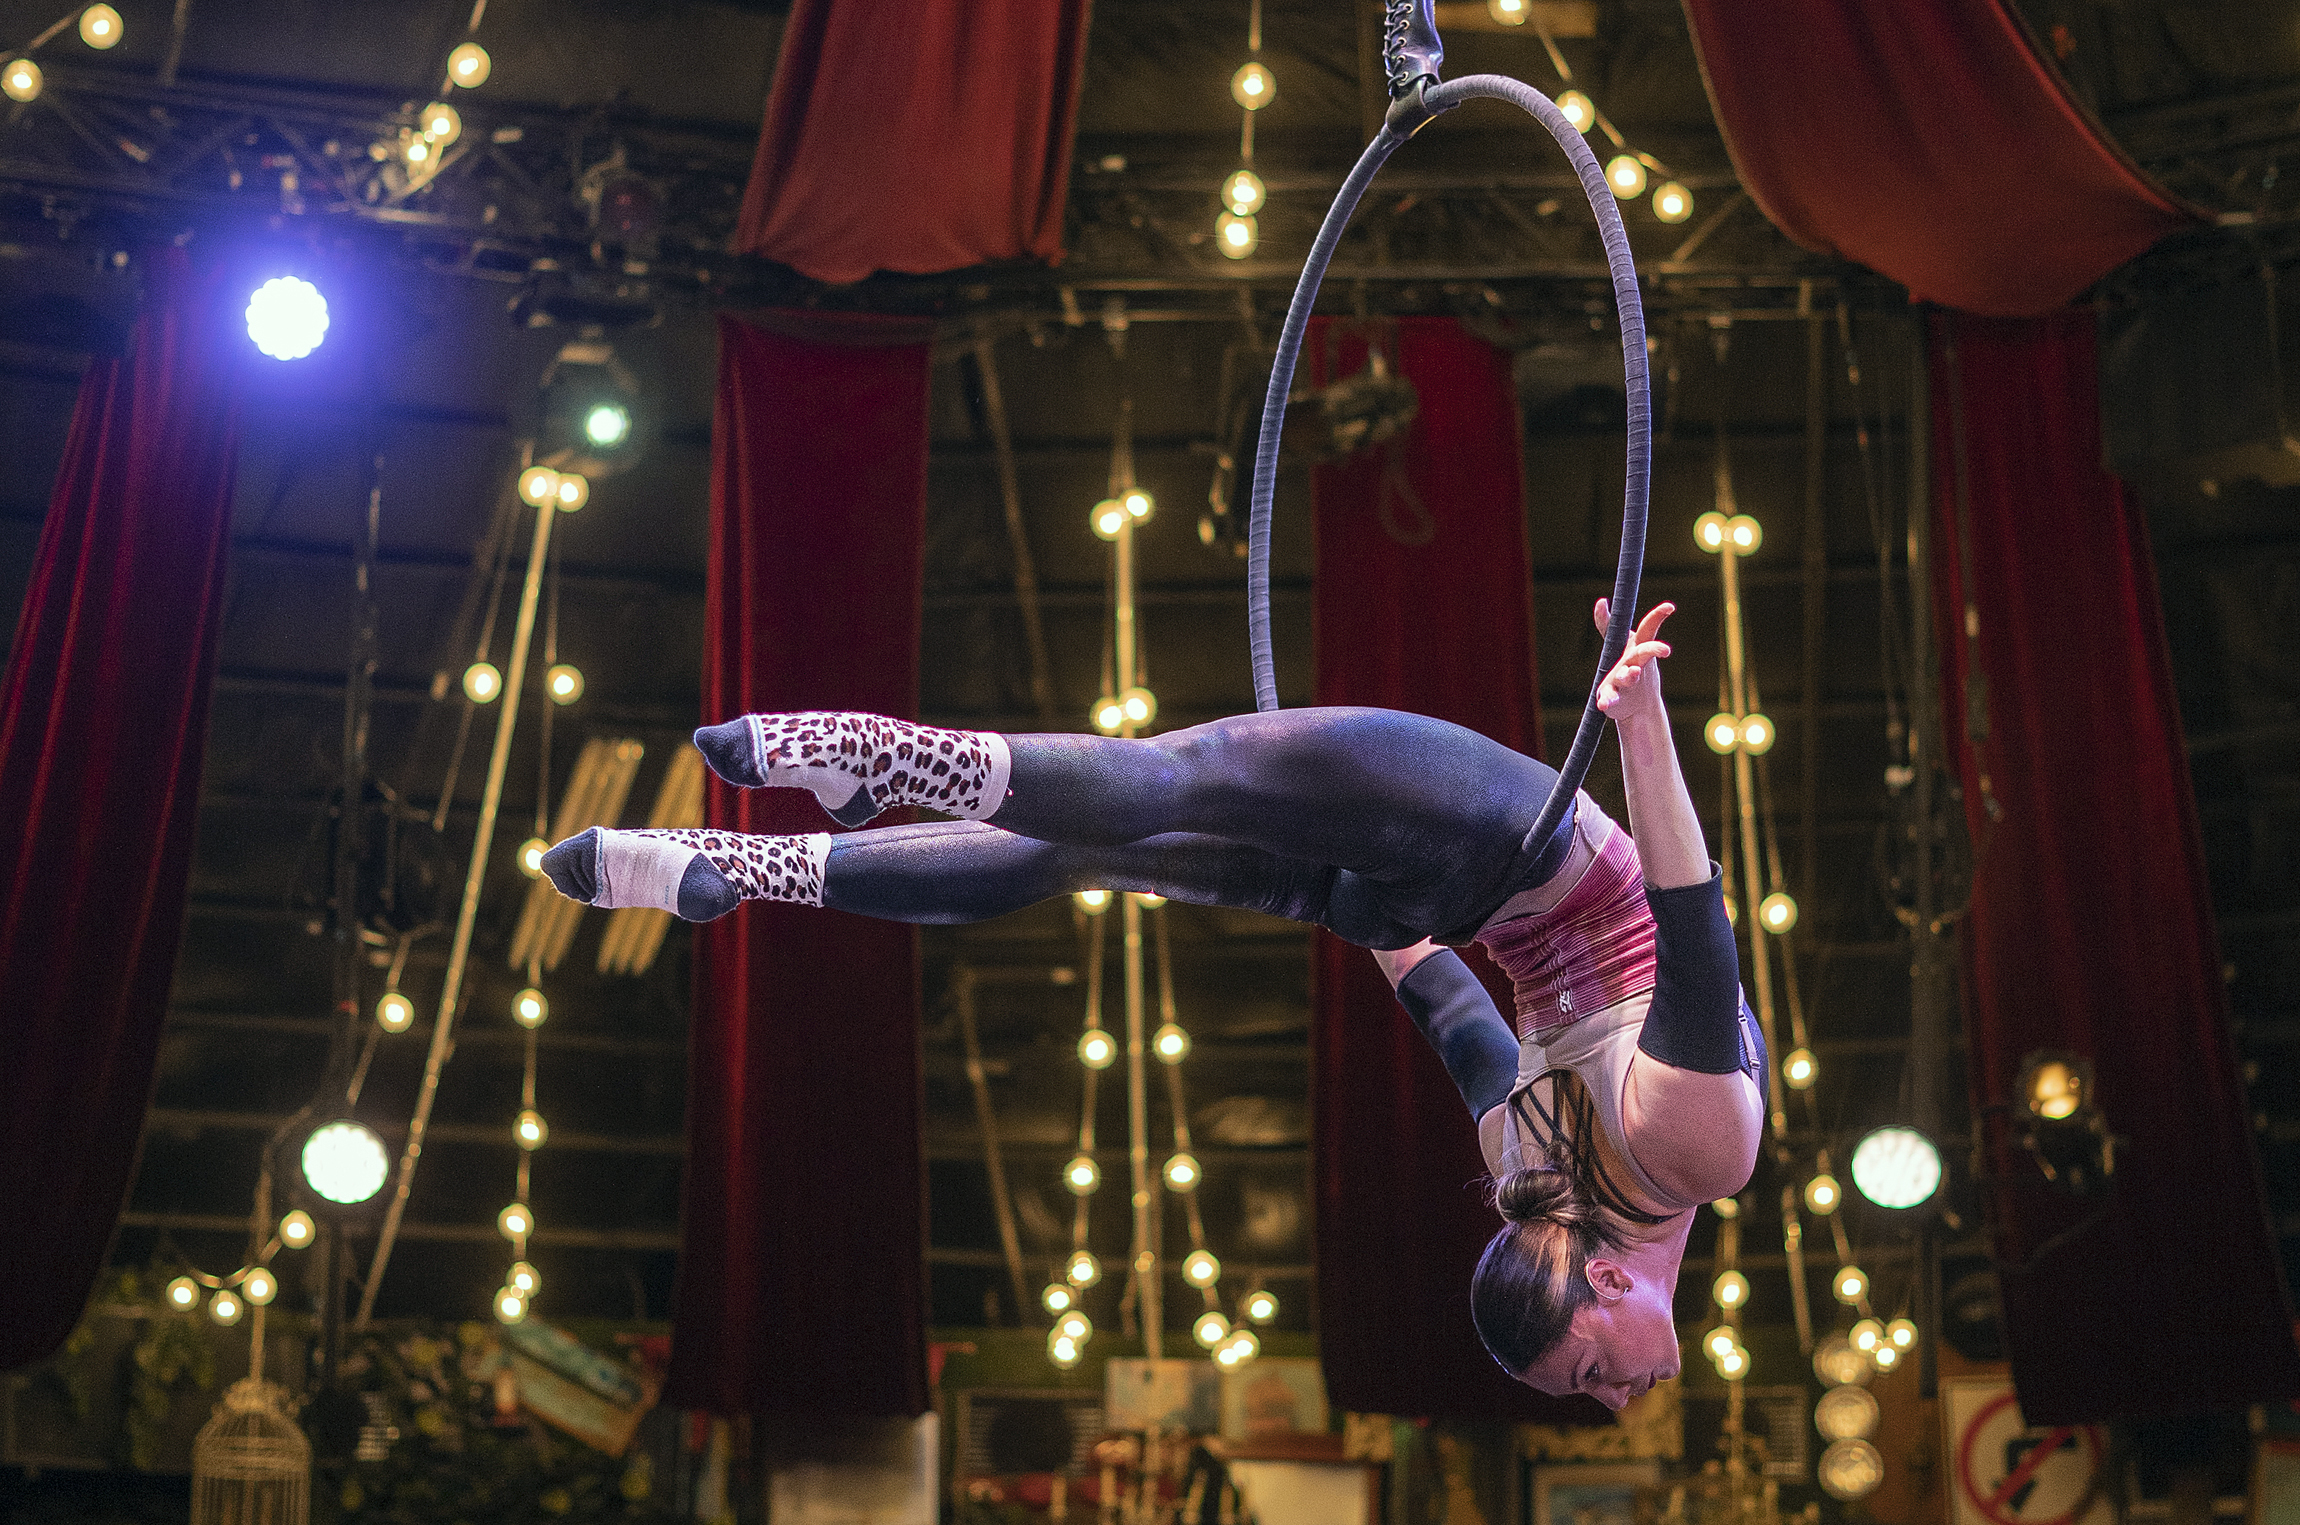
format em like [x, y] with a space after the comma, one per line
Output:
[1382, 826]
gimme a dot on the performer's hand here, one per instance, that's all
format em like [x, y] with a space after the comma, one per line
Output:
[1632, 690]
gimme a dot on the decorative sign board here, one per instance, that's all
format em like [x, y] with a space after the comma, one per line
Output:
[2009, 1472]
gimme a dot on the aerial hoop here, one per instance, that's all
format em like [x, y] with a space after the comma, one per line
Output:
[1412, 55]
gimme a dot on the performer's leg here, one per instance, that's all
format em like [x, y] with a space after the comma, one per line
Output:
[952, 871]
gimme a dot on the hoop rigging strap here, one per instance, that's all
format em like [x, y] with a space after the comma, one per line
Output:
[1412, 55]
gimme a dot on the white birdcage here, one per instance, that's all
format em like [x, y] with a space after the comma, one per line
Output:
[251, 1465]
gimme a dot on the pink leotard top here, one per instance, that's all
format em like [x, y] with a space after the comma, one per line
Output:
[1592, 950]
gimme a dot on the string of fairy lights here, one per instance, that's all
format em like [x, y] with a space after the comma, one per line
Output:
[1126, 706]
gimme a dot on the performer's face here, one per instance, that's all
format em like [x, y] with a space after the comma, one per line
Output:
[1617, 1347]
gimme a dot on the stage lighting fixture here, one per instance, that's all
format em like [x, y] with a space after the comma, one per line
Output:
[573, 490]
[510, 1305]
[1866, 1336]
[1800, 1069]
[1896, 1167]
[522, 1277]
[530, 1130]
[1846, 1413]
[529, 1008]
[1744, 534]
[1108, 518]
[1672, 202]
[226, 1308]
[287, 317]
[1709, 532]
[1083, 1270]
[1507, 12]
[1253, 86]
[1719, 1340]
[2054, 1087]
[1731, 1290]
[260, 1287]
[441, 123]
[1093, 902]
[1244, 1345]
[21, 80]
[1757, 737]
[100, 27]
[1723, 732]
[1148, 900]
[1887, 1356]
[564, 683]
[2060, 1122]
[592, 425]
[515, 1222]
[1902, 1333]
[531, 854]
[1778, 911]
[1733, 1365]
[1837, 1363]
[1822, 1194]
[1138, 705]
[539, 485]
[469, 66]
[1076, 1325]
[482, 682]
[1851, 1285]
[1062, 1348]
[345, 1162]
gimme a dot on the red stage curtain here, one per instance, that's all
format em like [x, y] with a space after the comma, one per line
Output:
[802, 1267]
[1424, 602]
[2091, 928]
[103, 726]
[1928, 142]
[920, 137]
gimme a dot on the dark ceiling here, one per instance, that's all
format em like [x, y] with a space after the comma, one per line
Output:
[438, 381]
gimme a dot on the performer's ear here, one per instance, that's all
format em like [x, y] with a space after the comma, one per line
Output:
[1610, 1282]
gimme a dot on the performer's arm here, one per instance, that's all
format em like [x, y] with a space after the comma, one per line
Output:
[1694, 1118]
[1458, 1018]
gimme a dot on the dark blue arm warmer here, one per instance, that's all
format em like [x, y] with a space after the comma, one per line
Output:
[1695, 1022]
[1453, 1011]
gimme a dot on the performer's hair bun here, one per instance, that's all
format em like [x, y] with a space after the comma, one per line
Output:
[1541, 1196]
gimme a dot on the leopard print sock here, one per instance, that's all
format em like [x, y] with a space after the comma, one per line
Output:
[858, 765]
[698, 875]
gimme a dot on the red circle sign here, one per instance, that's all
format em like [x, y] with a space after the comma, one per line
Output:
[2000, 1501]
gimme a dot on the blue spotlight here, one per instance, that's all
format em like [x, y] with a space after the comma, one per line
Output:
[287, 317]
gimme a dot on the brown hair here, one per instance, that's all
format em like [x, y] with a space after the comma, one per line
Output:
[1533, 1277]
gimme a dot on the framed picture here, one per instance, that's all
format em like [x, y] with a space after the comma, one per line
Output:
[1591, 1495]
[1275, 1395]
[1163, 1396]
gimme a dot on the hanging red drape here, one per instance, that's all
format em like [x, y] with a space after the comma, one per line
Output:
[802, 1266]
[920, 137]
[1929, 142]
[103, 726]
[2091, 927]
[1423, 602]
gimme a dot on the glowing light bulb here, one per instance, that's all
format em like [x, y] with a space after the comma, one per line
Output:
[564, 684]
[1896, 1167]
[1672, 202]
[1092, 902]
[1082, 1175]
[1846, 1413]
[297, 1229]
[1076, 1325]
[1726, 1207]
[573, 492]
[529, 1008]
[1148, 900]
[1851, 1469]
[1626, 176]
[394, 1013]
[287, 316]
[1244, 1345]
[1886, 1356]
[441, 123]
[1211, 1329]
[1719, 1340]
[1723, 732]
[1108, 518]
[1709, 531]
[539, 485]
[1851, 1285]
[1733, 1365]
[1182, 1172]
[1778, 911]
[1224, 1356]
[1838, 1364]
[1866, 1336]
[1063, 1349]
[510, 1305]
[481, 683]
[183, 1294]
[1109, 715]
[100, 27]
[1139, 705]
[1236, 235]
[418, 150]
[1201, 1269]
[1253, 86]
[1507, 12]
[1138, 504]
[1731, 1289]
[1578, 109]
[345, 1162]
[260, 1287]
[21, 80]
[1902, 1333]
[531, 1131]
[1261, 1306]
[522, 1278]
[515, 1222]
[469, 66]
[1757, 736]
[1097, 1050]
[1244, 193]
[1800, 1070]
[531, 854]
[2054, 1088]
[1822, 1194]
[1083, 1270]
[1058, 1298]
[225, 1308]
[1745, 534]
[607, 425]
[1170, 1043]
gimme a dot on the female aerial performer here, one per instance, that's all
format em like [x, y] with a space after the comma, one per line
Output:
[1627, 1094]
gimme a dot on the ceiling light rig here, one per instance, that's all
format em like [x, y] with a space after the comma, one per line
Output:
[1630, 170]
[1236, 233]
[100, 28]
